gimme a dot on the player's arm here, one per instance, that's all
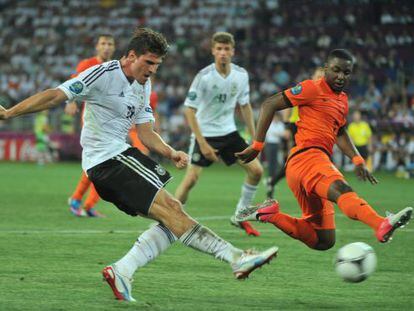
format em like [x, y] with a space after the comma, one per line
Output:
[41, 101]
[208, 151]
[268, 108]
[346, 145]
[155, 143]
[247, 114]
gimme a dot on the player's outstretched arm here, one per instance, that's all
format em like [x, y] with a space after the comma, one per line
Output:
[155, 143]
[346, 145]
[269, 107]
[38, 102]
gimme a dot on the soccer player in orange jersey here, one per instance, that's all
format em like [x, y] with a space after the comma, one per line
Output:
[105, 48]
[312, 177]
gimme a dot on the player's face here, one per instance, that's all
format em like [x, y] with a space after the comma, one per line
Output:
[337, 73]
[223, 52]
[144, 66]
[105, 48]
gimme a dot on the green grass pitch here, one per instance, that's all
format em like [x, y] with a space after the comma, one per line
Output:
[51, 260]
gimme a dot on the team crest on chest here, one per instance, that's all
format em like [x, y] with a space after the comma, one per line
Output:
[233, 89]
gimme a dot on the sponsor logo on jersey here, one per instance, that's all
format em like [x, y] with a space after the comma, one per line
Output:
[192, 95]
[76, 87]
[296, 90]
[160, 170]
[122, 94]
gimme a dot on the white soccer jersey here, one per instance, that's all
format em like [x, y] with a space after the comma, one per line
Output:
[215, 99]
[113, 106]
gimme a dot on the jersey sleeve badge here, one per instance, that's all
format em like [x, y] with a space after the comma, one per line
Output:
[192, 95]
[76, 87]
[296, 90]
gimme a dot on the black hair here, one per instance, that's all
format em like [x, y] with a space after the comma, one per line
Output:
[147, 40]
[104, 35]
[342, 54]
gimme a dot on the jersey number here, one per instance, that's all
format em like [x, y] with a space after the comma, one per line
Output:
[221, 98]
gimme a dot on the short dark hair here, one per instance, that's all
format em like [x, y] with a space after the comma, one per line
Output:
[147, 40]
[104, 35]
[342, 54]
[223, 37]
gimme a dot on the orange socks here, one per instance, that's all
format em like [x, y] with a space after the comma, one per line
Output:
[297, 228]
[92, 199]
[82, 187]
[356, 208]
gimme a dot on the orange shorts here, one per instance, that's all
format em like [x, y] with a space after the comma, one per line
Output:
[309, 175]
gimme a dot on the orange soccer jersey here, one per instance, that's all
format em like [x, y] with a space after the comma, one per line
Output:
[322, 112]
[309, 170]
[85, 64]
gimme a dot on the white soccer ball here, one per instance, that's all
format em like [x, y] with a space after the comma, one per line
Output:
[355, 262]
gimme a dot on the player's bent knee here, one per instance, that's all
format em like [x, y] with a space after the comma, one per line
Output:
[342, 187]
[325, 245]
[256, 172]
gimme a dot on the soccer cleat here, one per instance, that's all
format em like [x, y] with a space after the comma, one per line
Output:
[75, 207]
[93, 212]
[120, 285]
[251, 260]
[260, 212]
[244, 225]
[392, 222]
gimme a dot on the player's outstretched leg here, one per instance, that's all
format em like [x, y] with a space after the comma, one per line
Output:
[254, 173]
[392, 222]
[269, 211]
[75, 200]
[177, 224]
[357, 208]
[90, 202]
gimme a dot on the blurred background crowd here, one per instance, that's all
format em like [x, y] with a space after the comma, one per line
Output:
[279, 42]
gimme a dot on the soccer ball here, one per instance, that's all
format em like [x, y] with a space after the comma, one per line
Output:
[355, 262]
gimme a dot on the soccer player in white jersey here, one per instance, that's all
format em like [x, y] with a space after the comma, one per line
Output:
[210, 106]
[117, 96]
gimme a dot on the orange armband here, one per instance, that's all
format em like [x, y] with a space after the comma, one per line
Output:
[257, 145]
[358, 160]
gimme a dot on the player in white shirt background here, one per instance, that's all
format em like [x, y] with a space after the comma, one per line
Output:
[117, 96]
[210, 106]
[273, 150]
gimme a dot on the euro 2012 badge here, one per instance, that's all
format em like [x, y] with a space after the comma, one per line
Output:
[76, 87]
[296, 89]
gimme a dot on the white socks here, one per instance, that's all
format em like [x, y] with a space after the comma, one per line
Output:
[206, 241]
[157, 239]
[247, 195]
[147, 247]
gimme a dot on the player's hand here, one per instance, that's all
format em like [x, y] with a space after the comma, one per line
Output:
[364, 174]
[209, 152]
[247, 155]
[3, 113]
[179, 158]
[71, 108]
